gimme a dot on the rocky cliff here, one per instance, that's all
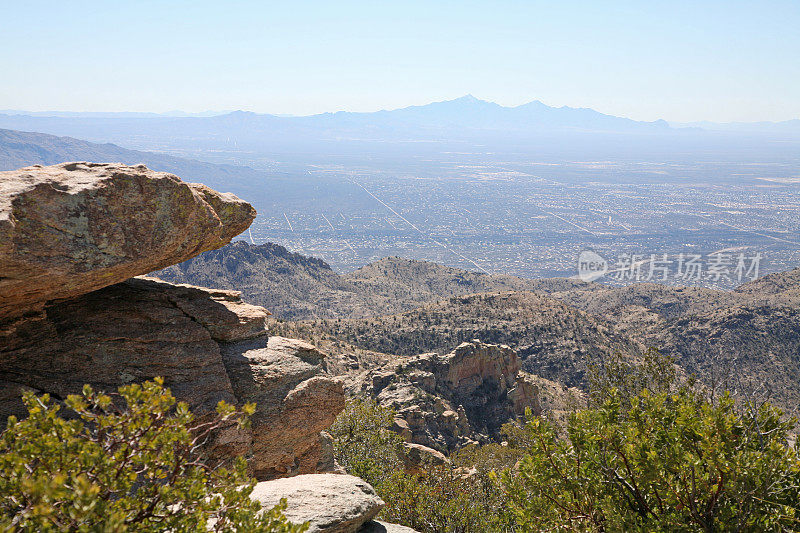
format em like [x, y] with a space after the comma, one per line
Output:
[72, 238]
[447, 401]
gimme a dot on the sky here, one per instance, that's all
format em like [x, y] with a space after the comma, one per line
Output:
[680, 60]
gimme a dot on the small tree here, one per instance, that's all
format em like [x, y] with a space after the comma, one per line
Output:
[131, 461]
[364, 443]
[626, 378]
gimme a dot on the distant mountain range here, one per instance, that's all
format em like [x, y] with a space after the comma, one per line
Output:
[463, 117]
[465, 124]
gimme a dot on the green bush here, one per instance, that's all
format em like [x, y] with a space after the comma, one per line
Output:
[625, 378]
[363, 443]
[443, 499]
[126, 462]
[665, 463]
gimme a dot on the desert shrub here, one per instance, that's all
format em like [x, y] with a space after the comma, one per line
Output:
[665, 463]
[444, 499]
[364, 444]
[131, 461]
[455, 498]
[485, 458]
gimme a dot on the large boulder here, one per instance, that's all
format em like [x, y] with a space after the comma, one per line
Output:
[417, 458]
[331, 503]
[72, 228]
[71, 238]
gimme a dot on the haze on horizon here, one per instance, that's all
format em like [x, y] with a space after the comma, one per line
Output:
[682, 62]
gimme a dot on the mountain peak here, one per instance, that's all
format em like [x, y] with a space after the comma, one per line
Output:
[468, 99]
[240, 113]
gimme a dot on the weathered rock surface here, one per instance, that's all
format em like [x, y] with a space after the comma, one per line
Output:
[286, 379]
[125, 333]
[72, 235]
[418, 458]
[331, 503]
[447, 401]
[207, 344]
[69, 229]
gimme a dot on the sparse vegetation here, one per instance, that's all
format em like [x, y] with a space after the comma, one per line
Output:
[364, 445]
[442, 498]
[649, 454]
[131, 461]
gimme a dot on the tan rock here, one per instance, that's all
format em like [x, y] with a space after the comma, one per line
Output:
[207, 344]
[331, 503]
[294, 402]
[419, 458]
[471, 363]
[447, 401]
[525, 395]
[69, 229]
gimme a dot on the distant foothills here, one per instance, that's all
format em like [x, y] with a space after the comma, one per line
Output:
[404, 307]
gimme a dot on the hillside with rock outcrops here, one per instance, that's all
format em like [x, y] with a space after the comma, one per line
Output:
[298, 287]
[553, 340]
[743, 338]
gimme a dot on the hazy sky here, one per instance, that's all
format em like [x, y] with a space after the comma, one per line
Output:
[681, 61]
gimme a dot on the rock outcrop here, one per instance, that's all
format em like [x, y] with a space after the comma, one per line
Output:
[207, 344]
[295, 401]
[72, 235]
[447, 401]
[418, 458]
[72, 228]
[331, 503]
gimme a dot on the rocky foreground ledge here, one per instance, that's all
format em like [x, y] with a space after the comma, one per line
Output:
[75, 240]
